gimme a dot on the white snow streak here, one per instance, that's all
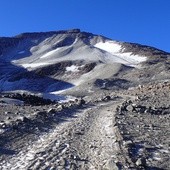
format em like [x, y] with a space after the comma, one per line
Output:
[33, 65]
[109, 46]
[49, 53]
[115, 50]
[72, 68]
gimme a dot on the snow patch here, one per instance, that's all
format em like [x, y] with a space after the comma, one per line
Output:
[33, 65]
[132, 59]
[53, 96]
[29, 65]
[72, 68]
[114, 49]
[109, 46]
[49, 53]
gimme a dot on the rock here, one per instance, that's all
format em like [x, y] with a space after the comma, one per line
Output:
[130, 108]
[127, 143]
[90, 146]
[42, 113]
[123, 108]
[79, 133]
[118, 108]
[76, 100]
[2, 124]
[24, 119]
[106, 98]
[111, 165]
[60, 107]
[51, 110]
[7, 113]
[129, 102]
[17, 113]
[141, 162]
[140, 109]
[8, 118]
[73, 166]
[62, 162]
[70, 104]
[81, 102]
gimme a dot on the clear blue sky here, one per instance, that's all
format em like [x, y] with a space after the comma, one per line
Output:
[142, 21]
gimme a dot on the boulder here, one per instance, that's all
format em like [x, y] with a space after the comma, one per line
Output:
[60, 107]
[81, 102]
[51, 110]
[130, 108]
[141, 162]
[106, 98]
[41, 113]
[111, 165]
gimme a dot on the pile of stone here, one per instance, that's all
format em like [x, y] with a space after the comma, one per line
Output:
[29, 99]
[36, 117]
[144, 130]
[137, 108]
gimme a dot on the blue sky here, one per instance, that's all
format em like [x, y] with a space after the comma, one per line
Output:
[141, 21]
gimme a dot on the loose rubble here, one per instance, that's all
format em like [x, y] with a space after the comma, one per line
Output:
[145, 128]
[113, 131]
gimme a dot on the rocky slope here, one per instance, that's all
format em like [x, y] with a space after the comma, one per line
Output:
[53, 61]
[75, 100]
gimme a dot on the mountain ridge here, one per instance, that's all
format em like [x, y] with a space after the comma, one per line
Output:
[76, 30]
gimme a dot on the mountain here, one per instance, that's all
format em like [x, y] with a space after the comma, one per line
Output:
[76, 100]
[48, 62]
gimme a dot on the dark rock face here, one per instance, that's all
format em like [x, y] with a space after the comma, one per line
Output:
[154, 55]
[107, 98]
[59, 69]
[144, 50]
[55, 69]
[132, 107]
[29, 99]
[7, 42]
[50, 33]
[114, 83]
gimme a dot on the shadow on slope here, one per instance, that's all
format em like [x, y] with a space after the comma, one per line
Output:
[4, 151]
[17, 78]
[14, 77]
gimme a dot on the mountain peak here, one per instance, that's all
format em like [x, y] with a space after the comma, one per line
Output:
[49, 33]
[81, 56]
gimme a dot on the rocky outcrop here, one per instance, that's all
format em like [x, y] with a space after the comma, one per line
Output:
[29, 99]
[144, 50]
[10, 42]
[144, 128]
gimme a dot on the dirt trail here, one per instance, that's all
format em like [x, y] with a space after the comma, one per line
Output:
[86, 141]
[97, 145]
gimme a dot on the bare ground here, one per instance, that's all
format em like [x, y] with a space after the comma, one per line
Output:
[99, 135]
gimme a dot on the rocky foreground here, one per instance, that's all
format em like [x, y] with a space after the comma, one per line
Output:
[126, 129]
[144, 125]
